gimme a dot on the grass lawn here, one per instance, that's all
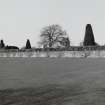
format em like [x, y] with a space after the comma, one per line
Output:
[52, 81]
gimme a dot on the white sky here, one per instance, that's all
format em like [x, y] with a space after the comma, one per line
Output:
[22, 19]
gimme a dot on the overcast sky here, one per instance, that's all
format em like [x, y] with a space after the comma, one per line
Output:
[23, 19]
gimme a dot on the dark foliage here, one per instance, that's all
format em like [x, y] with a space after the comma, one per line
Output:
[65, 42]
[28, 44]
[11, 47]
[2, 45]
[89, 36]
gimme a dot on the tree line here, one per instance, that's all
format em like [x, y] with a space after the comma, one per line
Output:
[53, 36]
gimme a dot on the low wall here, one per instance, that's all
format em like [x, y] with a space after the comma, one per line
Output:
[54, 54]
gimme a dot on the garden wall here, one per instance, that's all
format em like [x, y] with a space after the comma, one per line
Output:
[54, 54]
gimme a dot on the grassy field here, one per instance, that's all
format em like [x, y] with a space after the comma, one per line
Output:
[52, 81]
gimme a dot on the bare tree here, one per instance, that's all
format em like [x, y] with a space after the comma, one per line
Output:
[53, 36]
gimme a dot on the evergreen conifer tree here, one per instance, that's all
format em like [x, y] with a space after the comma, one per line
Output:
[89, 36]
[2, 44]
[28, 45]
